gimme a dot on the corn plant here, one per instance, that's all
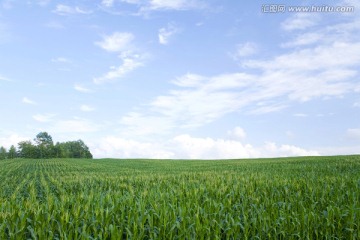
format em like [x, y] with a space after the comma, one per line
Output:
[287, 198]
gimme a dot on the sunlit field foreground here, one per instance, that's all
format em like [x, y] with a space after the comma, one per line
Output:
[288, 198]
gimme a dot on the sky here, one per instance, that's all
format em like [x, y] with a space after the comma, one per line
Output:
[182, 79]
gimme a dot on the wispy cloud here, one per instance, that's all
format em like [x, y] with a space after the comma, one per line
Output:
[82, 89]
[2, 78]
[325, 69]
[60, 60]
[43, 2]
[166, 33]
[128, 65]
[146, 7]
[28, 101]
[301, 21]
[86, 108]
[120, 43]
[160, 5]
[107, 3]
[267, 108]
[62, 9]
[245, 50]
[305, 39]
[116, 42]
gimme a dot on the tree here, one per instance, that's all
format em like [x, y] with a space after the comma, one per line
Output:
[80, 150]
[3, 153]
[45, 145]
[72, 149]
[12, 152]
[44, 148]
[27, 150]
[57, 151]
[43, 138]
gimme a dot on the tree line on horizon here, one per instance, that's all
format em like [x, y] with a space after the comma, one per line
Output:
[44, 147]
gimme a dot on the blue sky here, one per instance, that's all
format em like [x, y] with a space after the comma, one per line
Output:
[181, 79]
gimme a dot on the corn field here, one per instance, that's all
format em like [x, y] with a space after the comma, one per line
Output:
[288, 198]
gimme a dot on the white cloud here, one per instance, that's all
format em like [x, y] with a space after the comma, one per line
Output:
[121, 43]
[60, 60]
[306, 74]
[124, 148]
[322, 57]
[271, 149]
[301, 21]
[305, 39]
[107, 3]
[128, 65]
[187, 147]
[267, 108]
[117, 42]
[2, 78]
[245, 50]
[44, 117]
[166, 33]
[12, 139]
[317, 69]
[237, 133]
[28, 101]
[159, 5]
[172, 5]
[199, 100]
[43, 2]
[190, 80]
[208, 148]
[82, 89]
[62, 9]
[86, 108]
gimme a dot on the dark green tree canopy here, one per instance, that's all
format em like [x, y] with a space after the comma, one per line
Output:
[3, 153]
[12, 152]
[27, 150]
[44, 148]
[43, 138]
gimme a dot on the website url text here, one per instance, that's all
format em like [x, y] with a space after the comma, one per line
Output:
[281, 8]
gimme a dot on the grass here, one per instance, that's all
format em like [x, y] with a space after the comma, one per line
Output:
[287, 198]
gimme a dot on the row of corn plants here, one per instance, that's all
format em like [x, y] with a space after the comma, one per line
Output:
[291, 198]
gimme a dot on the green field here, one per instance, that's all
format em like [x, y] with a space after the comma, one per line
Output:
[288, 198]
